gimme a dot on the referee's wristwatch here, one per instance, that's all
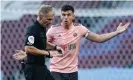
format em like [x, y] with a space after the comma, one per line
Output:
[49, 54]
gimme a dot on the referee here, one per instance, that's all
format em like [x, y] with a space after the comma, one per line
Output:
[35, 46]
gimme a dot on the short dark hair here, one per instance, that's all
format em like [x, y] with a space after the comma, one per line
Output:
[67, 7]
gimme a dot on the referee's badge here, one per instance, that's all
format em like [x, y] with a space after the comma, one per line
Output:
[31, 39]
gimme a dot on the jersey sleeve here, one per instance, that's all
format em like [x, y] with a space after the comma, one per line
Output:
[49, 35]
[83, 30]
[30, 37]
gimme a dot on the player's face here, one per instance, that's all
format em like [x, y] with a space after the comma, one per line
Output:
[67, 17]
[47, 19]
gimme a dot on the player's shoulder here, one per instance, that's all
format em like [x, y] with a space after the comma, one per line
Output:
[56, 25]
[53, 28]
[77, 24]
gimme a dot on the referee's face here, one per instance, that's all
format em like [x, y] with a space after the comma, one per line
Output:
[67, 17]
[47, 18]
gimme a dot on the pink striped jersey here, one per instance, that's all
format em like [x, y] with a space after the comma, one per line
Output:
[69, 41]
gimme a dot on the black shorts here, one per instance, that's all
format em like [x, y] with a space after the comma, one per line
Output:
[37, 72]
[65, 76]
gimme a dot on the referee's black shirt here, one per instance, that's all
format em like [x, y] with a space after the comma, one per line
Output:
[36, 36]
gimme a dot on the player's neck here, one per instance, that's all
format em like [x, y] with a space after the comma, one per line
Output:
[67, 27]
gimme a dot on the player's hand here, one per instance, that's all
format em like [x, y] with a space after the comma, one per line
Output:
[19, 55]
[121, 28]
[60, 50]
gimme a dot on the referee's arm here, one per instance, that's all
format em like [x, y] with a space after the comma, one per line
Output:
[35, 51]
[31, 38]
[50, 46]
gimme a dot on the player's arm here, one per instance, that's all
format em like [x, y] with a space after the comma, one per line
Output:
[100, 37]
[50, 39]
[50, 45]
[104, 37]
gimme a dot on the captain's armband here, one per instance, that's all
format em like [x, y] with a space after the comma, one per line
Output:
[87, 34]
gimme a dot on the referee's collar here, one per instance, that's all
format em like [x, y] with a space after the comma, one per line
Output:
[36, 22]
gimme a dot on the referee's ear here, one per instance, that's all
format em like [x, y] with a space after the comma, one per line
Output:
[40, 18]
[40, 15]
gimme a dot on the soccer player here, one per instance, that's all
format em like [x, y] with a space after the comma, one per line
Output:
[67, 35]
